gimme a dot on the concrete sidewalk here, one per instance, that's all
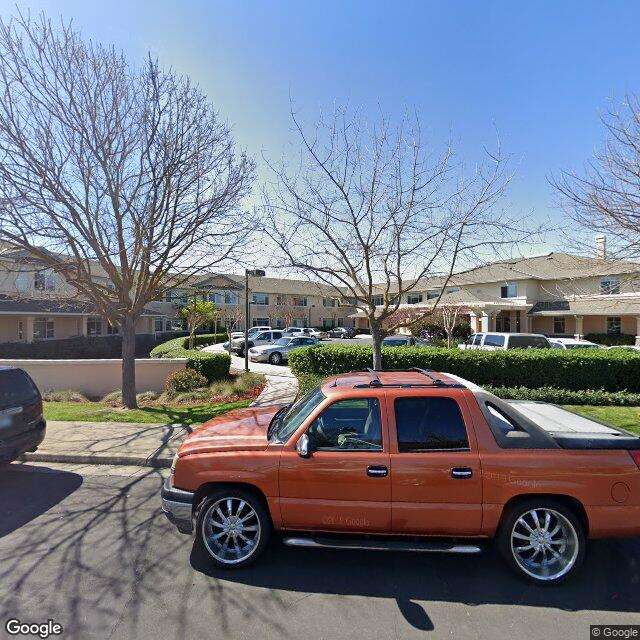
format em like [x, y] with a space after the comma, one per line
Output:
[121, 443]
[127, 443]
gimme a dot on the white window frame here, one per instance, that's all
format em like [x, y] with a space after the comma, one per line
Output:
[414, 298]
[610, 286]
[95, 320]
[506, 286]
[49, 329]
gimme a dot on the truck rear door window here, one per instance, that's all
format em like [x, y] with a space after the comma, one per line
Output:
[429, 423]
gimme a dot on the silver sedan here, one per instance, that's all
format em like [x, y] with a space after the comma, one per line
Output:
[278, 352]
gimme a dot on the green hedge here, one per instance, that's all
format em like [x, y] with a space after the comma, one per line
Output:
[213, 366]
[611, 339]
[595, 397]
[531, 368]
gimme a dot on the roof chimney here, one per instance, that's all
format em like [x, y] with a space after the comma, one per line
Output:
[601, 247]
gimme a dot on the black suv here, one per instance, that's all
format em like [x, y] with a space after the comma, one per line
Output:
[22, 424]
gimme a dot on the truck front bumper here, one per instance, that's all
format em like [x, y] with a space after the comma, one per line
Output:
[177, 505]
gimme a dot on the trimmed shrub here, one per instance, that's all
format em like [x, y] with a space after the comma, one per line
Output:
[213, 366]
[610, 339]
[531, 368]
[596, 397]
[183, 381]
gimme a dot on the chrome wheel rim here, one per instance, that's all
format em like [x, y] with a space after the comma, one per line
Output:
[231, 530]
[275, 358]
[544, 544]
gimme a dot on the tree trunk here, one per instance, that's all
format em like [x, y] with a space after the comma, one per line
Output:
[192, 337]
[376, 335]
[129, 363]
[449, 339]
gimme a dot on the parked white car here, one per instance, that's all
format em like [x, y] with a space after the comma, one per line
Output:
[493, 340]
[572, 343]
[257, 339]
[253, 331]
[305, 331]
[627, 347]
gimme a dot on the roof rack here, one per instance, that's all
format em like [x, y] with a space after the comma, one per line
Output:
[375, 381]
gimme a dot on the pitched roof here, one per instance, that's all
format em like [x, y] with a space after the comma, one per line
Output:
[550, 266]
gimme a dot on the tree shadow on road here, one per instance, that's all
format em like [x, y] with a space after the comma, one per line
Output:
[608, 581]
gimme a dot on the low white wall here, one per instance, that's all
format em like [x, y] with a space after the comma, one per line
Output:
[96, 377]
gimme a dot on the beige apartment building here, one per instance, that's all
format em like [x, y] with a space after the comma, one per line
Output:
[554, 294]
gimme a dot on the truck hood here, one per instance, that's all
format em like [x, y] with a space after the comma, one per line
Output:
[238, 430]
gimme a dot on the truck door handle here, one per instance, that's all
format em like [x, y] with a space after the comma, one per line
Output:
[461, 473]
[375, 471]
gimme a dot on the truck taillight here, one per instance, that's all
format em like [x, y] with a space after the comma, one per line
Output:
[635, 454]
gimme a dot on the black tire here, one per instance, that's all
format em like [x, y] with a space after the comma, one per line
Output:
[262, 519]
[275, 358]
[571, 525]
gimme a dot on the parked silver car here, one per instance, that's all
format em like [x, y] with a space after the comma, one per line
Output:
[278, 352]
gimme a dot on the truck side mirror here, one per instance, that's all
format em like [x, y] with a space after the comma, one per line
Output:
[303, 446]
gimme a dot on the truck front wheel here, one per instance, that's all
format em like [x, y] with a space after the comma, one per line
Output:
[233, 526]
[542, 540]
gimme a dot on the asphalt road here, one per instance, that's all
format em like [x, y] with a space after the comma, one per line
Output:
[89, 548]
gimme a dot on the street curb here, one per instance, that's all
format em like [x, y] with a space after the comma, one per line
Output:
[161, 462]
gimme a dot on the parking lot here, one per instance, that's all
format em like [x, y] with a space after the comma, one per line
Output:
[89, 548]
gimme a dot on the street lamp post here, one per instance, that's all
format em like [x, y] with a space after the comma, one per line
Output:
[256, 273]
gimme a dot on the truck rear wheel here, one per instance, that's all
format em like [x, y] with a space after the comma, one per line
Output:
[542, 540]
[233, 526]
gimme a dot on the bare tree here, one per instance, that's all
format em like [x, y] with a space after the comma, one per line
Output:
[606, 197]
[372, 212]
[112, 170]
[448, 315]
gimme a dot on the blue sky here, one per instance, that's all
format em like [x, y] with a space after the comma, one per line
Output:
[541, 73]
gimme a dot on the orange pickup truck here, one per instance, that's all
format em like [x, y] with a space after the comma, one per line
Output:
[407, 460]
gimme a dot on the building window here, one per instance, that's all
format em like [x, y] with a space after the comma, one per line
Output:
[94, 327]
[43, 329]
[158, 324]
[44, 281]
[503, 323]
[230, 297]
[260, 298]
[378, 300]
[348, 302]
[610, 286]
[432, 294]
[328, 302]
[559, 325]
[20, 330]
[298, 323]
[328, 323]
[260, 322]
[509, 290]
[112, 330]
[414, 298]
[614, 325]
[453, 289]
[279, 323]
[299, 302]
[341, 322]
[167, 325]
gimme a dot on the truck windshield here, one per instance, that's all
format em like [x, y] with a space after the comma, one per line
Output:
[298, 412]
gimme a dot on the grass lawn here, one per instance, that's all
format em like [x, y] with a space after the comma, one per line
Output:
[623, 417]
[100, 412]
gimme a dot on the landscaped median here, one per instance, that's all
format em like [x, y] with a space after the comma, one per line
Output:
[610, 379]
[212, 365]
